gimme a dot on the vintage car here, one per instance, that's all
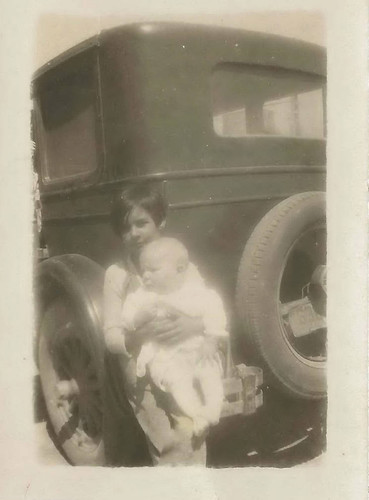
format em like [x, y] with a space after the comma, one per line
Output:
[230, 126]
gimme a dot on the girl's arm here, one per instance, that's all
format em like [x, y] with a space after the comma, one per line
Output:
[139, 310]
[119, 340]
[178, 327]
[212, 323]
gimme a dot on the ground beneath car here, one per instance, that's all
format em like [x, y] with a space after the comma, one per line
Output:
[235, 442]
[48, 455]
[46, 451]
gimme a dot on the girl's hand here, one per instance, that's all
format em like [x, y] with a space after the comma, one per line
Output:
[176, 327]
[145, 315]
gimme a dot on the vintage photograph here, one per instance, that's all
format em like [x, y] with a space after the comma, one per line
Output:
[180, 244]
[184, 257]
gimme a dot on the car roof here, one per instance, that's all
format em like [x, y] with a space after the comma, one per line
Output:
[235, 38]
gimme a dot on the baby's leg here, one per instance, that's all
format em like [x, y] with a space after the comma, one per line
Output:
[210, 380]
[180, 386]
[179, 383]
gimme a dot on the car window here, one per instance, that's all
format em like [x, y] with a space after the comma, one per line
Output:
[251, 100]
[67, 111]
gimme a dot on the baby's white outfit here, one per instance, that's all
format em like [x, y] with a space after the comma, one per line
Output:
[175, 368]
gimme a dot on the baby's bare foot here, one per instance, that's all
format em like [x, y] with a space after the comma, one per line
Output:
[200, 426]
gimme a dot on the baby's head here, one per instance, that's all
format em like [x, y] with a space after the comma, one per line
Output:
[164, 264]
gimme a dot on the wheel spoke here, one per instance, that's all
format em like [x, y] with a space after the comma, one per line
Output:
[93, 423]
[95, 403]
[69, 428]
[75, 350]
[68, 350]
[91, 418]
[73, 356]
[65, 359]
[74, 406]
[83, 362]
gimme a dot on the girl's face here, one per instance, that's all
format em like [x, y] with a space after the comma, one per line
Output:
[140, 229]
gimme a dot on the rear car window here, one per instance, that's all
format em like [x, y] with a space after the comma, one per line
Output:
[249, 100]
[67, 111]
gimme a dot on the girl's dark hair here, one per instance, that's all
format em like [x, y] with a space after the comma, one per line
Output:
[139, 195]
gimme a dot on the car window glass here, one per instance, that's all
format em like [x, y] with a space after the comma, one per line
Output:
[250, 100]
[68, 112]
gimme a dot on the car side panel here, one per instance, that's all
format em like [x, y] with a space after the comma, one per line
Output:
[213, 216]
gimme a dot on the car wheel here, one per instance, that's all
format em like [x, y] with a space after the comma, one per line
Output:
[281, 294]
[71, 377]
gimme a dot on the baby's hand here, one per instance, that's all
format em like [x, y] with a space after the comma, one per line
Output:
[210, 347]
[164, 310]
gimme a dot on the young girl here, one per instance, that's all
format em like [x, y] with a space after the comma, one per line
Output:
[138, 217]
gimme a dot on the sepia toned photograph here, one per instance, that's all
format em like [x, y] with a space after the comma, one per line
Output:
[184, 261]
[180, 241]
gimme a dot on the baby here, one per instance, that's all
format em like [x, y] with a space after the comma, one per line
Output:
[191, 371]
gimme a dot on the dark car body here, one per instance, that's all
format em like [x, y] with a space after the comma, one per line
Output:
[150, 102]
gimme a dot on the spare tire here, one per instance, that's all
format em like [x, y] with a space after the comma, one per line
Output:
[283, 327]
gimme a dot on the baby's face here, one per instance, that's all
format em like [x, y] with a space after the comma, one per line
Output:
[160, 274]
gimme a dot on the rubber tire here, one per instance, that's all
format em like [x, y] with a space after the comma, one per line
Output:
[79, 281]
[257, 292]
[69, 448]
